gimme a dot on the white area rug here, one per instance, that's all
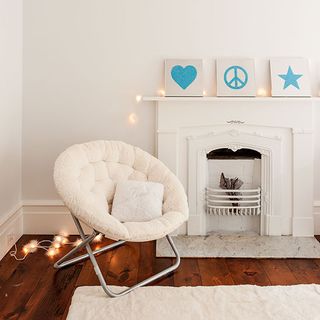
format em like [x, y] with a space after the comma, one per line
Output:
[241, 245]
[301, 302]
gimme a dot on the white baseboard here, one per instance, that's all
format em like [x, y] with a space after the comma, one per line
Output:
[316, 221]
[48, 217]
[316, 216]
[303, 227]
[11, 229]
[52, 217]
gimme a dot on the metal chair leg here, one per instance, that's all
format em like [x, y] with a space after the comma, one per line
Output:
[63, 262]
[91, 254]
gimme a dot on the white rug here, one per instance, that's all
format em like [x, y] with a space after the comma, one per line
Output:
[241, 245]
[301, 302]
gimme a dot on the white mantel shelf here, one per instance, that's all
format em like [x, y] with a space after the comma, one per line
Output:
[228, 99]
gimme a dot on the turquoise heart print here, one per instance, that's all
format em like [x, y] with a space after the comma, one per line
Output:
[183, 76]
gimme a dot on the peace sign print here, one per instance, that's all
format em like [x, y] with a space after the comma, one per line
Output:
[236, 77]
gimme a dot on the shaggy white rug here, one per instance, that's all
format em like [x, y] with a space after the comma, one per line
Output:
[301, 302]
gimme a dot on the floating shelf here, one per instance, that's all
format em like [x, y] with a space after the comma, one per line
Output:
[229, 99]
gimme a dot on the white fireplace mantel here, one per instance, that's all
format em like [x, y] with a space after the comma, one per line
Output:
[286, 122]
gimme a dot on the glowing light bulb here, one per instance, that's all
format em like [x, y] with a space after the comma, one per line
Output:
[262, 92]
[138, 98]
[33, 246]
[98, 238]
[58, 239]
[25, 249]
[161, 92]
[61, 239]
[51, 252]
[133, 118]
[56, 245]
[204, 92]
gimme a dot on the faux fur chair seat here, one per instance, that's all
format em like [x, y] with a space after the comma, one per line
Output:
[86, 174]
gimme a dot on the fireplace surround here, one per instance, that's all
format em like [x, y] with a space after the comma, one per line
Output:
[280, 129]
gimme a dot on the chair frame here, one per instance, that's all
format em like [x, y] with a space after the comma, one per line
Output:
[86, 240]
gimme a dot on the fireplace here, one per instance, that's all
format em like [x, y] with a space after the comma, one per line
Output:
[233, 192]
[268, 179]
[270, 139]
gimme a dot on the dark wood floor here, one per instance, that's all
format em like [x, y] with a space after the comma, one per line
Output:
[34, 290]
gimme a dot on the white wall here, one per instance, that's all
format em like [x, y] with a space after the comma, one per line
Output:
[84, 62]
[10, 105]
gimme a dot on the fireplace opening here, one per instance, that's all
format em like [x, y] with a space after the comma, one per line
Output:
[225, 153]
[233, 190]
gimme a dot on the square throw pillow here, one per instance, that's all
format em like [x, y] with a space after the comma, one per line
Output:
[137, 201]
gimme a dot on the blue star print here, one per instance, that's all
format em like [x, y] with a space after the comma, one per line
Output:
[290, 79]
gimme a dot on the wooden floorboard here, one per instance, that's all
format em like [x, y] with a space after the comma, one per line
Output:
[33, 289]
[188, 274]
[214, 272]
[278, 272]
[124, 264]
[305, 270]
[247, 271]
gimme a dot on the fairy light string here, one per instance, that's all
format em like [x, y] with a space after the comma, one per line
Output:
[50, 246]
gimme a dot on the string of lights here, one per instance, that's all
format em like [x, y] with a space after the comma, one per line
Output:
[50, 246]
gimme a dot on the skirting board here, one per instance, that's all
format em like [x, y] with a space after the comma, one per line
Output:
[11, 229]
[303, 227]
[52, 217]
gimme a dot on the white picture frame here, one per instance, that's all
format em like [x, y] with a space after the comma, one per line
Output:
[183, 77]
[236, 77]
[290, 77]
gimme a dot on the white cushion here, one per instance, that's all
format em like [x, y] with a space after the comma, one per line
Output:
[137, 201]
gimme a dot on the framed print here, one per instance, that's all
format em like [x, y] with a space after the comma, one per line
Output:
[290, 77]
[236, 77]
[183, 77]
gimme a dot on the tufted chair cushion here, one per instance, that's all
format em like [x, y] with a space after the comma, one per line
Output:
[86, 174]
